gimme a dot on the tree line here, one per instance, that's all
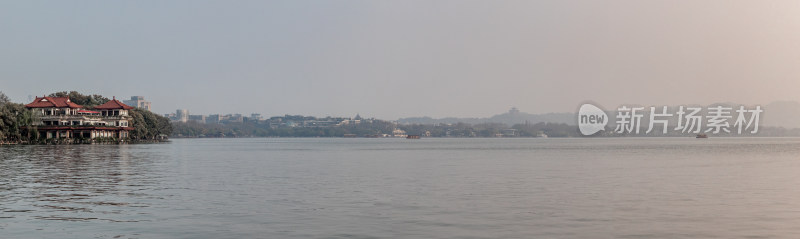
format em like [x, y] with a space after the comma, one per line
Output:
[13, 119]
[371, 129]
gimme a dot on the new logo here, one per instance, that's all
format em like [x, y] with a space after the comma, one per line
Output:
[591, 119]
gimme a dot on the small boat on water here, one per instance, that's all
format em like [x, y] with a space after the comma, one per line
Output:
[702, 136]
[412, 136]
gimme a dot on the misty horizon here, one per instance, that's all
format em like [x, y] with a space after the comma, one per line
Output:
[394, 59]
[788, 112]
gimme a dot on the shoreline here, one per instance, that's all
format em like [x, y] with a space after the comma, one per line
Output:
[71, 142]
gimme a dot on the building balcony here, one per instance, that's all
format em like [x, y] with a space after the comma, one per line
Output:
[82, 127]
[70, 117]
[119, 117]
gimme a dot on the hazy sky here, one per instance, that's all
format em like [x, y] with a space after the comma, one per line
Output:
[391, 59]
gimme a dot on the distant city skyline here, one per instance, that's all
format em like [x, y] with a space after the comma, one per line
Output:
[394, 59]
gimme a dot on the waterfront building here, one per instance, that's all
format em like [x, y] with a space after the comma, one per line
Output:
[399, 133]
[509, 133]
[61, 118]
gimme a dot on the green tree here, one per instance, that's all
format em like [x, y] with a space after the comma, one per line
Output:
[3, 99]
[148, 126]
[13, 117]
[87, 101]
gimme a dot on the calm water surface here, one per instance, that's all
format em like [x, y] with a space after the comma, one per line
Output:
[398, 188]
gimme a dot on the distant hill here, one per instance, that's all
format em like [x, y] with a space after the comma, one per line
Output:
[784, 114]
[511, 117]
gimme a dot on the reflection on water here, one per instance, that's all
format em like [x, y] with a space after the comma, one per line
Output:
[397, 188]
[76, 183]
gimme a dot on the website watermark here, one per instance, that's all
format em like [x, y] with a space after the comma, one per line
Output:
[591, 119]
[682, 119]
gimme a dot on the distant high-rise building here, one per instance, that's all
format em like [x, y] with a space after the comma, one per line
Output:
[213, 119]
[138, 102]
[198, 118]
[236, 118]
[182, 115]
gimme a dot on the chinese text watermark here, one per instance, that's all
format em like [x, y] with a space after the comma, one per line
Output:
[683, 119]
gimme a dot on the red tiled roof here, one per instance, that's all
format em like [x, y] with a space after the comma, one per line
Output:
[113, 104]
[52, 102]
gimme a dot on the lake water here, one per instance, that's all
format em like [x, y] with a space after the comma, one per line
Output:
[398, 188]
